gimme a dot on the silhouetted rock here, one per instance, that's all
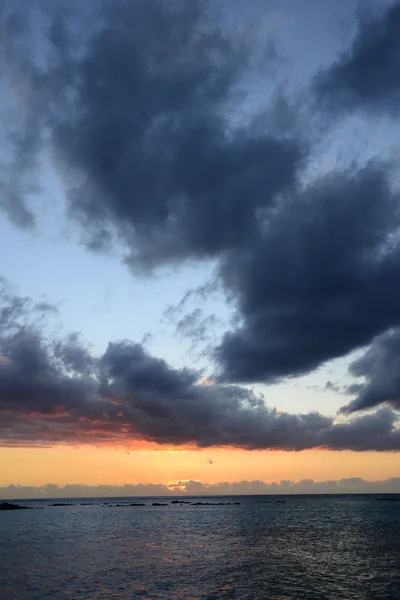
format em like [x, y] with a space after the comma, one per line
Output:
[10, 506]
[179, 502]
[61, 504]
[159, 504]
[215, 503]
[125, 505]
[388, 499]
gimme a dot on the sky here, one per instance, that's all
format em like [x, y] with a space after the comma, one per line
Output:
[200, 257]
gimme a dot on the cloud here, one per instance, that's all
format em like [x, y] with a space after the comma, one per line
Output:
[195, 326]
[140, 105]
[321, 281]
[22, 108]
[366, 76]
[140, 118]
[351, 485]
[16, 311]
[57, 392]
[379, 366]
[333, 387]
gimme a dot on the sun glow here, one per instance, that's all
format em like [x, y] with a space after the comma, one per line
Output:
[207, 381]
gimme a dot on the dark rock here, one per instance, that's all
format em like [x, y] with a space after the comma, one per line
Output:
[159, 504]
[388, 499]
[10, 506]
[215, 503]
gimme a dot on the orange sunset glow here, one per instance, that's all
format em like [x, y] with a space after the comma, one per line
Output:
[199, 299]
[152, 464]
[198, 278]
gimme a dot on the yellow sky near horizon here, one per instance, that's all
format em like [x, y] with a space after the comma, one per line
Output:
[153, 464]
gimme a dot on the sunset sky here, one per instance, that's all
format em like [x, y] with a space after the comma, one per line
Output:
[200, 258]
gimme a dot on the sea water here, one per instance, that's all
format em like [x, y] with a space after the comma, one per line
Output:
[267, 547]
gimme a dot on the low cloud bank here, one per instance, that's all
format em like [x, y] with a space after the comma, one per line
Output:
[352, 485]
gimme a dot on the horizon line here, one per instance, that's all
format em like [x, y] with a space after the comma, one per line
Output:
[350, 485]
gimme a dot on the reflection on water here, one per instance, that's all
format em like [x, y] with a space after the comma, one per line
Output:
[309, 547]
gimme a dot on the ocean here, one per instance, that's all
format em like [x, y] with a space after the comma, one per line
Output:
[266, 547]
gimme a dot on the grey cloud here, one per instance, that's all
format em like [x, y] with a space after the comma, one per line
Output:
[34, 370]
[333, 387]
[351, 485]
[171, 177]
[129, 367]
[73, 355]
[379, 367]
[305, 486]
[56, 391]
[198, 328]
[139, 113]
[173, 313]
[193, 322]
[322, 280]
[366, 76]
[137, 106]
[195, 325]
[15, 310]
[23, 111]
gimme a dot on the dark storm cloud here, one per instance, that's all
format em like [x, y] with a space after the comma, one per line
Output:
[139, 105]
[34, 371]
[367, 76]
[22, 109]
[323, 280]
[56, 391]
[139, 108]
[150, 135]
[379, 366]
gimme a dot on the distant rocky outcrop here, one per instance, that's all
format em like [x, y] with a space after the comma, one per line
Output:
[10, 506]
[125, 505]
[159, 504]
[215, 503]
[388, 499]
